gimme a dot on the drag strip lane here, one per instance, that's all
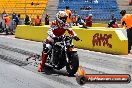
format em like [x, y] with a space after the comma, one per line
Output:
[15, 56]
[58, 77]
[12, 76]
[21, 49]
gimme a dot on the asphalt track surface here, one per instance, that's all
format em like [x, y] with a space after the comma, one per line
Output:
[16, 72]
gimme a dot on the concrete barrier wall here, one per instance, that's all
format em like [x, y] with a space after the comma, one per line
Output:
[104, 40]
[35, 33]
[99, 25]
[110, 41]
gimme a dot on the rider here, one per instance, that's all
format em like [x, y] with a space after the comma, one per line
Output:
[57, 28]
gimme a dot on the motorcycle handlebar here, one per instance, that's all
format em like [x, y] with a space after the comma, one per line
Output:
[77, 38]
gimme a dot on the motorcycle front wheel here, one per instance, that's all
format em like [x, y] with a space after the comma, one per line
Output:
[72, 64]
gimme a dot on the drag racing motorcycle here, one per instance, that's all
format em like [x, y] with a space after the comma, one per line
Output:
[63, 53]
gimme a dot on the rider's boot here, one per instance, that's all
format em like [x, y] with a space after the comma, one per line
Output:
[43, 60]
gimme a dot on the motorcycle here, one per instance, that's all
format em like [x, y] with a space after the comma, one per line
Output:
[63, 53]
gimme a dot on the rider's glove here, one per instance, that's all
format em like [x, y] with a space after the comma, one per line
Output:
[76, 38]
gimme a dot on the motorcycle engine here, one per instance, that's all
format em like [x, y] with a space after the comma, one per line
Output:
[57, 54]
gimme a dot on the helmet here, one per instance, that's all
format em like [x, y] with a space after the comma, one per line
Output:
[123, 12]
[61, 16]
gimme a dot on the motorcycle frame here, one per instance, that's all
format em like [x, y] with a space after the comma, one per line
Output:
[67, 50]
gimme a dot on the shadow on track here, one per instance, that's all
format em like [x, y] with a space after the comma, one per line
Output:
[48, 70]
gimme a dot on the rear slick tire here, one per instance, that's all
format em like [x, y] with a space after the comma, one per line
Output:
[73, 63]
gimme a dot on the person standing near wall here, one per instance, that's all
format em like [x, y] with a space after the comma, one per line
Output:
[7, 23]
[69, 13]
[37, 21]
[127, 21]
[17, 19]
[27, 20]
[3, 21]
[1, 25]
[3, 14]
[47, 19]
[14, 15]
[89, 20]
[74, 20]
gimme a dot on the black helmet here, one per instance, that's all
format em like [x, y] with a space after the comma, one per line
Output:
[123, 12]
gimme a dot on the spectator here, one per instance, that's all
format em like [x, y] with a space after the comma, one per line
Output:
[74, 20]
[91, 1]
[80, 22]
[13, 15]
[37, 21]
[14, 23]
[75, 13]
[63, 1]
[127, 21]
[47, 19]
[113, 23]
[86, 0]
[85, 8]
[27, 20]
[13, 26]
[7, 23]
[88, 8]
[32, 3]
[1, 30]
[68, 11]
[3, 14]
[112, 16]
[17, 19]
[96, 1]
[89, 20]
